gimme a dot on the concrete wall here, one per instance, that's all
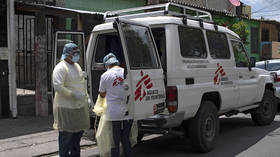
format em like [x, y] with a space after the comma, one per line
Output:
[60, 3]
[223, 5]
[102, 6]
[256, 25]
[275, 50]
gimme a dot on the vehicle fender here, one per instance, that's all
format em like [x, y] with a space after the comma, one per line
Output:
[264, 81]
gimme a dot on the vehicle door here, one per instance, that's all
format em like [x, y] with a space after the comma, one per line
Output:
[144, 79]
[247, 78]
[222, 70]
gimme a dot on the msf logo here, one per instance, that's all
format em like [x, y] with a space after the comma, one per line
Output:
[141, 87]
[218, 74]
[117, 81]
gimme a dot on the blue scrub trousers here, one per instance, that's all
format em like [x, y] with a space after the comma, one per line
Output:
[121, 133]
[69, 143]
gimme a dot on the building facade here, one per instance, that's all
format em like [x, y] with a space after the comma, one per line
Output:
[270, 39]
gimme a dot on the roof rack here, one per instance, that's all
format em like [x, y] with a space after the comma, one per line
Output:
[169, 9]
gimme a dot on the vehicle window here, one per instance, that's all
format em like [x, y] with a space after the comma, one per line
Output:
[109, 43]
[160, 39]
[273, 66]
[218, 45]
[241, 58]
[269, 66]
[140, 47]
[192, 43]
[261, 66]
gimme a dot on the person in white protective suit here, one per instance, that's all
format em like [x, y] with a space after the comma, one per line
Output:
[111, 86]
[70, 106]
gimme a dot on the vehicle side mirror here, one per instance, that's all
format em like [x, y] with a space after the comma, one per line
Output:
[252, 62]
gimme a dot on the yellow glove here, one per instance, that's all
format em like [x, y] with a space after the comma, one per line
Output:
[100, 106]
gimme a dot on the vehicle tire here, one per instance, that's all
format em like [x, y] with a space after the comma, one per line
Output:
[204, 128]
[266, 112]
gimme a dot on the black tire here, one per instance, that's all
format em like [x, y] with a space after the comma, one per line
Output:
[265, 113]
[204, 128]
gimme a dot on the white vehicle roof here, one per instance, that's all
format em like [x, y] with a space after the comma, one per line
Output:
[162, 20]
[270, 61]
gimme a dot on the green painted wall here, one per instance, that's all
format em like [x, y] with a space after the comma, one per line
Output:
[228, 21]
[253, 24]
[103, 5]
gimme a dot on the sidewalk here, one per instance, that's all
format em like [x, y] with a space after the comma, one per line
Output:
[33, 136]
[266, 147]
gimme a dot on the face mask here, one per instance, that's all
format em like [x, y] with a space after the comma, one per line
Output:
[63, 57]
[75, 59]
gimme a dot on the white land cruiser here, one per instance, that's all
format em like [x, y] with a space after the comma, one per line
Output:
[181, 71]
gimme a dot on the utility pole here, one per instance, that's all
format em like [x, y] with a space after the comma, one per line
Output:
[41, 91]
[12, 59]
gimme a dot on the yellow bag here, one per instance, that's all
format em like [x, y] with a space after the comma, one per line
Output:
[133, 134]
[104, 135]
[100, 106]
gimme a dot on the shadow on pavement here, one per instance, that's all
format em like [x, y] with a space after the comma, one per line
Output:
[24, 125]
[236, 135]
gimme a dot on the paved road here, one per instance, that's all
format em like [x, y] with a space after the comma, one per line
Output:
[238, 135]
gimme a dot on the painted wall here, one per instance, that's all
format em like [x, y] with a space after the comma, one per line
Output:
[214, 4]
[103, 5]
[256, 25]
[275, 50]
[273, 32]
[227, 21]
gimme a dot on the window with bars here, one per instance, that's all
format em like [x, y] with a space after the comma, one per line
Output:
[3, 24]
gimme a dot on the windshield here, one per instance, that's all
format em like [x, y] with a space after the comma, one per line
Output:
[269, 66]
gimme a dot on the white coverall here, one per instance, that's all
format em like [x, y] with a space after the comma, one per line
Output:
[70, 114]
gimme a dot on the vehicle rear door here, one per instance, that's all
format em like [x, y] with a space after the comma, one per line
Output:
[144, 79]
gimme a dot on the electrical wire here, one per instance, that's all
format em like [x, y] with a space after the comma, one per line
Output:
[267, 15]
[266, 11]
[266, 7]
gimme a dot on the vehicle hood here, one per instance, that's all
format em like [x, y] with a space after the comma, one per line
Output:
[261, 71]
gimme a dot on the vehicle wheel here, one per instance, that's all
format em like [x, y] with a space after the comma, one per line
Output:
[204, 127]
[266, 112]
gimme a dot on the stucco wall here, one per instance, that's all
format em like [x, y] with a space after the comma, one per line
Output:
[60, 3]
[224, 5]
[103, 5]
[275, 50]
[256, 25]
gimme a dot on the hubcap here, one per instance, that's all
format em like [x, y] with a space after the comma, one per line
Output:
[267, 108]
[209, 128]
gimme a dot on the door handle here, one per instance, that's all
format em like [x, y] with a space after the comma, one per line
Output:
[125, 87]
[127, 99]
[240, 76]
